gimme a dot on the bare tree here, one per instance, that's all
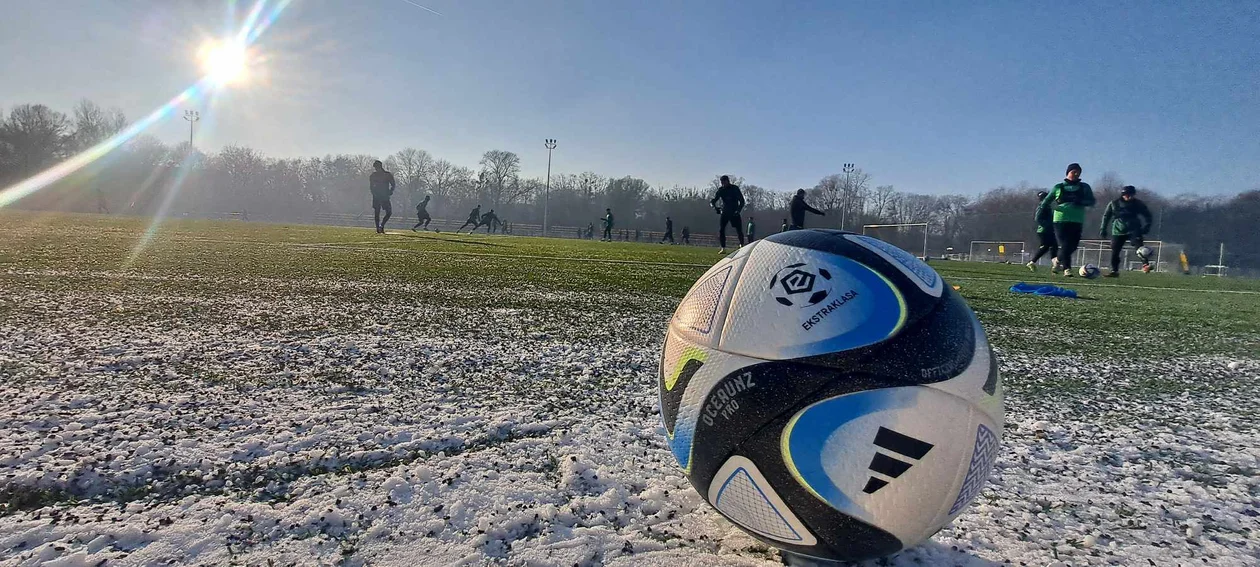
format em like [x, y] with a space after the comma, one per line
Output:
[828, 193]
[589, 183]
[93, 125]
[757, 198]
[717, 181]
[444, 177]
[881, 202]
[411, 167]
[499, 169]
[37, 136]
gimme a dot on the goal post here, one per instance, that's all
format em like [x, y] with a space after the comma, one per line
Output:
[1001, 251]
[910, 236]
[1098, 253]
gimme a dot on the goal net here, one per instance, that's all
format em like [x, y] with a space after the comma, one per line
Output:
[1004, 251]
[911, 237]
[1098, 253]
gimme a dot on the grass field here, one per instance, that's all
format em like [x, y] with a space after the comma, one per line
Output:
[249, 393]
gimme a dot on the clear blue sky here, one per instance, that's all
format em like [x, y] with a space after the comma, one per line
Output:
[932, 97]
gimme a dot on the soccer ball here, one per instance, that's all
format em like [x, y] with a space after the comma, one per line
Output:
[1089, 271]
[1144, 252]
[830, 395]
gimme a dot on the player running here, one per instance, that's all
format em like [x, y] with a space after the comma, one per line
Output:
[752, 230]
[422, 215]
[732, 203]
[474, 218]
[686, 235]
[1045, 232]
[1128, 219]
[489, 220]
[381, 184]
[608, 226]
[669, 231]
[797, 210]
[1069, 200]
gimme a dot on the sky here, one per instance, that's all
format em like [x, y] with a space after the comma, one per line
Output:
[931, 97]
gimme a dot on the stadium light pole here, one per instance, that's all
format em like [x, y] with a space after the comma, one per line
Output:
[192, 116]
[551, 145]
[844, 204]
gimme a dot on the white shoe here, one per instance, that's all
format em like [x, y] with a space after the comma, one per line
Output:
[722, 251]
[1031, 267]
[1054, 264]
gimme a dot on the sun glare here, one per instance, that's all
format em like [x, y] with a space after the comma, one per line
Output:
[225, 62]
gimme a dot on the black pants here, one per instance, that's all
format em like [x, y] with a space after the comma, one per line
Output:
[735, 221]
[422, 219]
[381, 204]
[1069, 236]
[1117, 248]
[607, 233]
[1049, 245]
[473, 222]
[669, 235]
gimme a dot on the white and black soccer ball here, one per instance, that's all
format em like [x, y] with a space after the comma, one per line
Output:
[1089, 271]
[829, 394]
[1144, 252]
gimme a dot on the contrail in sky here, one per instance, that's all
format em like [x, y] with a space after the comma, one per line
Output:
[423, 7]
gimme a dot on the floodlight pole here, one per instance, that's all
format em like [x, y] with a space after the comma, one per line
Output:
[551, 145]
[844, 203]
[192, 116]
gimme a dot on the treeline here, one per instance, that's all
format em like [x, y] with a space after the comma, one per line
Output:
[145, 174]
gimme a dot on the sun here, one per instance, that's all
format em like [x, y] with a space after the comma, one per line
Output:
[225, 62]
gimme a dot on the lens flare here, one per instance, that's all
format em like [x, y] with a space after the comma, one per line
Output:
[224, 62]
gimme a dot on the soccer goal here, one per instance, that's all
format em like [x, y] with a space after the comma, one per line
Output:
[1003, 251]
[1098, 253]
[911, 236]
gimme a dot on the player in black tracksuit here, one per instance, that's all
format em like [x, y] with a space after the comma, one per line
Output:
[669, 231]
[422, 215]
[1045, 233]
[474, 218]
[381, 184]
[797, 210]
[1127, 219]
[732, 203]
[489, 220]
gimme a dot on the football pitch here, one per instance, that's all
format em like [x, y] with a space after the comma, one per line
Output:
[245, 393]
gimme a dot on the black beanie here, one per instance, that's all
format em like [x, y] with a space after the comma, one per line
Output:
[1128, 190]
[1072, 166]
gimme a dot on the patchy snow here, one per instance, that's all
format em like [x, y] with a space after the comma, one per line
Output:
[300, 421]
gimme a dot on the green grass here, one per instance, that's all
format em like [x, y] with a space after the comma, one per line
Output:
[1147, 314]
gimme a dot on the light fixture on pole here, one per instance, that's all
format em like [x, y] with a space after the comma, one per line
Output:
[551, 145]
[844, 195]
[192, 116]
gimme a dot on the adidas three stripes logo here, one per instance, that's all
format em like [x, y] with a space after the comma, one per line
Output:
[892, 467]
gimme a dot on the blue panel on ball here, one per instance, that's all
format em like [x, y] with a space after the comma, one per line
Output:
[684, 430]
[862, 308]
[805, 439]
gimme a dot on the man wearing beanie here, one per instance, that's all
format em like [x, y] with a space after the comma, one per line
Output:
[1045, 233]
[1127, 218]
[1068, 200]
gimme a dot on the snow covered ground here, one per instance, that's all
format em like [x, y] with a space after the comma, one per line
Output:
[221, 419]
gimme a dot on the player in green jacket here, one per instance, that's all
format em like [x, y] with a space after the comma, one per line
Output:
[1045, 233]
[1068, 201]
[1126, 218]
[608, 225]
